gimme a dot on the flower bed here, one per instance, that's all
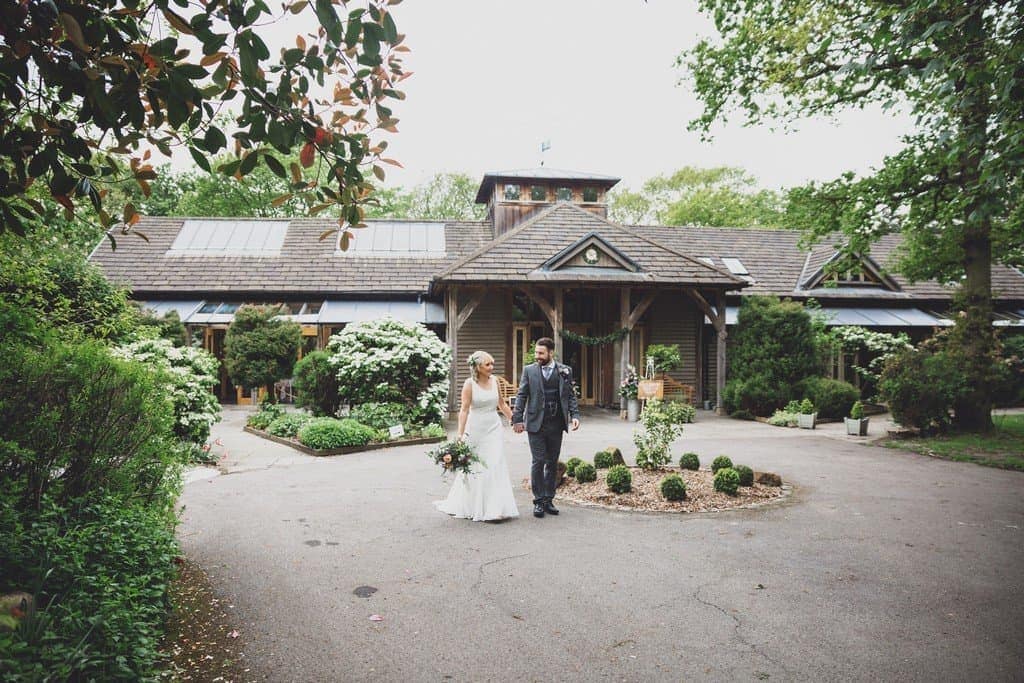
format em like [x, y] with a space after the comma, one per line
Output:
[372, 446]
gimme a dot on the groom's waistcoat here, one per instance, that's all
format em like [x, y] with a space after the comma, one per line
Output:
[552, 396]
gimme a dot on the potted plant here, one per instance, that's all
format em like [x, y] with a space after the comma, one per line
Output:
[808, 416]
[628, 389]
[856, 424]
[666, 358]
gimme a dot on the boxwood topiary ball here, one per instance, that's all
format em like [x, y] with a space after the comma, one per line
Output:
[746, 475]
[604, 459]
[727, 481]
[619, 479]
[571, 465]
[585, 472]
[689, 461]
[720, 462]
[673, 487]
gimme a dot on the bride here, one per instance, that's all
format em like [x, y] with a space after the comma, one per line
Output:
[485, 494]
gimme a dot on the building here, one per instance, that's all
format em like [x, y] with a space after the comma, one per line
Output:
[545, 262]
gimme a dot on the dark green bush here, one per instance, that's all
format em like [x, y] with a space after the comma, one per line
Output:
[746, 475]
[571, 465]
[288, 425]
[585, 472]
[720, 462]
[689, 461]
[833, 398]
[316, 384]
[326, 433]
[742, 415]
[619, 479]
[921, 387]
[727, 481]
[604, 459]
[264, 416]
[673, 487]
[385, 415]
[260, 348]
[757, 395]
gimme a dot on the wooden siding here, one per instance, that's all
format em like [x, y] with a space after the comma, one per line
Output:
[483, 331]
[673, 319]
[507, 214]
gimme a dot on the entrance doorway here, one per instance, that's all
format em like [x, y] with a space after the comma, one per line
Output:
[581, 358]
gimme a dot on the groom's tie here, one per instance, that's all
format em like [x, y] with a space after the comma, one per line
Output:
[546, 370]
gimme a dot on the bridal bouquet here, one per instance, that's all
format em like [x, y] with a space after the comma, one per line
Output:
[454, 456]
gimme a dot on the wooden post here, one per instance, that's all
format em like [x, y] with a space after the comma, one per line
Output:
[452, 335]
[556, 322]
[624, 322]
[720, 352]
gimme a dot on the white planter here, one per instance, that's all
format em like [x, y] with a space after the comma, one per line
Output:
[858, 427]
[633, 410]
[806, 421]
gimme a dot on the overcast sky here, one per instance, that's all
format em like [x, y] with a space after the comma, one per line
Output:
[597, 79]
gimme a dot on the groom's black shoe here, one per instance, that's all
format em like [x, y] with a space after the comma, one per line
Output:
[538, 510]
[550, 508]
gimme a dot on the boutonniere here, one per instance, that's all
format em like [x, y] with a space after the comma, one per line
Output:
[563, 371]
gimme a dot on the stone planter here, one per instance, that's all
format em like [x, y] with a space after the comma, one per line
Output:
[858, 427]
[807, 421]
[633, 410]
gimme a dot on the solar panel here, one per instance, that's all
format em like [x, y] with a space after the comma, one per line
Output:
[230, 237]
[398, 239]
[735, 266]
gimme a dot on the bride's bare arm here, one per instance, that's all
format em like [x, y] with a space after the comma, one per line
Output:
[504, 407]
[466, 400]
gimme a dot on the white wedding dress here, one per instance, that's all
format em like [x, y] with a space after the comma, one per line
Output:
[485, 493]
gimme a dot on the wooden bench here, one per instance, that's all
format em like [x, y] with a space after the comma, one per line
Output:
[507, 390]
[677, 391]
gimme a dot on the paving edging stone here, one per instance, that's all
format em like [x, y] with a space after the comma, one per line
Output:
[342, 451]
[787, 492]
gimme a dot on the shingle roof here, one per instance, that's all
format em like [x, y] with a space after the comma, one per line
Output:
[521, 253]
[305, 265]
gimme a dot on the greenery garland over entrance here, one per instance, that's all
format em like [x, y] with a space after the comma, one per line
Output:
[595, 341]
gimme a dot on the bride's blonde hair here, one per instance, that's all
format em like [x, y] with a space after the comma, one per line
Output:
[475, 359]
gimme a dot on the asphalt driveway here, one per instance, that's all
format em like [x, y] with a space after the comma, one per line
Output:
[881, 565]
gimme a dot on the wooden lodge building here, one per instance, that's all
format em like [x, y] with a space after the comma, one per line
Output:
[545, 262]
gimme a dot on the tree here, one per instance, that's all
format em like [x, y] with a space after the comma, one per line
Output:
[260, 348]
[89, 87]
[718, 197]
[446, 196]
[955, 191]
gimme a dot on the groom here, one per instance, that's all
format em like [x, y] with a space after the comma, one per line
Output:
[546, 396]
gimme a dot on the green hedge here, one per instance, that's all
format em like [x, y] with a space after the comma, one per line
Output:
[833, 398]
[326, 433]
[288, 425]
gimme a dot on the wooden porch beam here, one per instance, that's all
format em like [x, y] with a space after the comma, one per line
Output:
[641, 308]
[468, 309]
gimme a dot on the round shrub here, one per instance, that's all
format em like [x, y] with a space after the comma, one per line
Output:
[720, 462]
[922, 387]
[604, 459]
[727, 481]
[316, 384]
[325, 433]
[288, 425]
[689, 461]
[673, 487]
[619, 479]
[571, 465]
[585, 472]
[746, 475]
[833, 398]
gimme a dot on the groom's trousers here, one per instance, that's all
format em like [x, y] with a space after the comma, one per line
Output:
[546, 446]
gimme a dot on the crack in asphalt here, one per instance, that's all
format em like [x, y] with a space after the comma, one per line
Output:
[736, 626]
[480, 569]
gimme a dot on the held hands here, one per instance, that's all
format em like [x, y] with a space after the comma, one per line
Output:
[518, 427]
[575, 424]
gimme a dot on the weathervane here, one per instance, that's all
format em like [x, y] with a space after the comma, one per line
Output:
[545, 145]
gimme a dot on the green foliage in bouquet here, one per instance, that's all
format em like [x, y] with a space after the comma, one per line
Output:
[455, 456]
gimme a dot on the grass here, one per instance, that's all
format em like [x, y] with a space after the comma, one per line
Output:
[1003, 447]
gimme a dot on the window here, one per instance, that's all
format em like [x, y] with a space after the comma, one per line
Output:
[564, 194]
[538, 193]
[735, 266]
[590, 194]
[512, 193]
[210, 307]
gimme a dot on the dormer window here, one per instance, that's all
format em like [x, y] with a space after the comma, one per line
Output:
[538, 193]
[590, 194]
[512, 193]
[564, 194]
[854, 277]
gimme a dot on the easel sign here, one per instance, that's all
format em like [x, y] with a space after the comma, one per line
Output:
[650, 388]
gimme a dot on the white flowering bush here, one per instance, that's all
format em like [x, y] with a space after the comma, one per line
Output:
[880, 346]
[189, 374]
[390, 361]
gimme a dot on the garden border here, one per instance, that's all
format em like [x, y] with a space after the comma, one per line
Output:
[342, 451]
[786, 498]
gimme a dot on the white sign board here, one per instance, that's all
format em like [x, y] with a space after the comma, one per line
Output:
[396, 431]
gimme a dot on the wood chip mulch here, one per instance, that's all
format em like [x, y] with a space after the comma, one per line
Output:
[646, 492]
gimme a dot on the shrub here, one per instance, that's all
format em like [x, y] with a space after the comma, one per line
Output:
[857, 411]
[288, 425]
[264, 416]
[603, 460]
[922, 387]
[619, 479]
[661, 423]
[832, 397]
[585, 472]
[665, 356]
[755, 395]
[743, 415]
[784, 418]
[727, 481]
[721, 462]
[385, 415]
[316, 384]
[746, 475]
[389, 361]
[571, 465]
[689, 461]
[806, 407]
[433, 431]
[260, 348]
[326, 433]
[673, 487]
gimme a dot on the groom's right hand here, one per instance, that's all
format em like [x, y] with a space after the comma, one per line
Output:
[518, 428]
